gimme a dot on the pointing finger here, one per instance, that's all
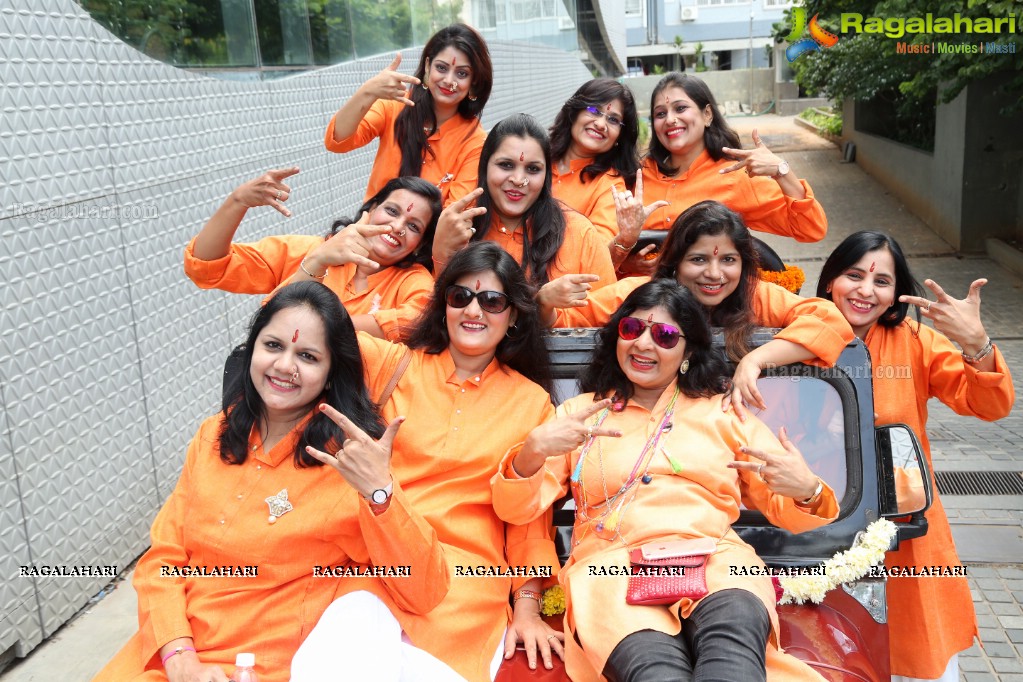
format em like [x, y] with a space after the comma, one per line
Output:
[756, 138]
[583, 279]
[390, 432]
[279, 174]
[460, 205]
[593, 409]
[936, 288]
[395, 63]
[353, 431]
[975, 288]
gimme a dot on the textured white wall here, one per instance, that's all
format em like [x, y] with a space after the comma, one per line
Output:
[109, 356]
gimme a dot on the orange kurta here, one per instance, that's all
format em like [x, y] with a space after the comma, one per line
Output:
[444, 455]
[930, 619]
[814, 323]
[760, 201]
[700, 502]
[393, 296]
[456, 145]
[582, 252]
[217, 516]
[593, 198]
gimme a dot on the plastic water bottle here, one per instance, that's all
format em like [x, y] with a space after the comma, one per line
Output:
[244, 668]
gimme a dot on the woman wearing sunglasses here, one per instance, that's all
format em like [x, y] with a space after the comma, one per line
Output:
[694, 155]
[378, 266]
[428, 124]
[593, 145]
[556, 246]
[657, 469]
[710, 252]
[476, 382]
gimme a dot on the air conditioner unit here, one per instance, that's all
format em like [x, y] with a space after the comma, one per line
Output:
[688, 13]
[565, 23]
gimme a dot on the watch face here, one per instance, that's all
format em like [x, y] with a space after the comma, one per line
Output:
[783, 168]
[379, 496]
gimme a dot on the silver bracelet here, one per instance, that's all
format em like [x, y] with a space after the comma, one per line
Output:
[981, 354]
[303, 268]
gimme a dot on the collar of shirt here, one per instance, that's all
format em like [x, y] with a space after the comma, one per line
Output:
[702, 160]
[448, 369]
[285, 447]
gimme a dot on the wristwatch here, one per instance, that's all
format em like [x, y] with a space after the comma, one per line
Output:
[381, 495]
[783, 169]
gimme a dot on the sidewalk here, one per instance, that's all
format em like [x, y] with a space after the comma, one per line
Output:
[987, 528]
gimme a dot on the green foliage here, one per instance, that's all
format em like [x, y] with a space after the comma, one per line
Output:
[865, 66]
[830, 122]
[644, 134]
[658, 70]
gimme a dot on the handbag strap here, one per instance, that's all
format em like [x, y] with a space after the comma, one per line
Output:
[398, 371]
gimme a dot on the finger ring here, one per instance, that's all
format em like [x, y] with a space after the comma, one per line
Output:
[760, 471]
[552, 636]
[927, 308]
[749, 171]
[589, 431]
[277, 198]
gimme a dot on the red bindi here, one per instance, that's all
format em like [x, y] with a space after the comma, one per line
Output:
[522, 156]
[454, 61]
[650, 318]
[715, 250]
[872, 264]
[478, 285]
[409, 209]
[294, 339]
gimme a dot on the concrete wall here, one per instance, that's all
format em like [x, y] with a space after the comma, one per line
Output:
[109, 357]
[727, 86]
[971, 186]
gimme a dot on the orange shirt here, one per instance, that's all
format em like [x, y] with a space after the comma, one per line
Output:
[217, 516]
[700, 502]
[760, 201]
[456, 146]
[444, 455]
[582, 252]
[814, 323]
[930, 619]
[393, 296]
[592, 198]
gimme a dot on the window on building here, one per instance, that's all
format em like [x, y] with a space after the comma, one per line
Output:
[484, 13]
[633, 8]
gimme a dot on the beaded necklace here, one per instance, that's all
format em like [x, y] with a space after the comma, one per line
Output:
[609, 520]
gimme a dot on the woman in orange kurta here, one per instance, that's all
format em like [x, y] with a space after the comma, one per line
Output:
[260, 515]
[377, 266]
[710, 252]
[428, 124]
[555, 245]
[651, 458]
[693, 156]
[593, 146]
[867, 276]
[474, 386]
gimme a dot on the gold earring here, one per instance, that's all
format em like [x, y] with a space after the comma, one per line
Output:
[684, 367]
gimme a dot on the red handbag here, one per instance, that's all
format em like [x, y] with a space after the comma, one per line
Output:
[665, 572]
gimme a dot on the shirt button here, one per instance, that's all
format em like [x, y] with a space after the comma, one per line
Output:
[239, 497]
[456, 428]
[458, 412]
[463, 390]
[477, 378]
[254, 447]
[221, 522]
[259, 466]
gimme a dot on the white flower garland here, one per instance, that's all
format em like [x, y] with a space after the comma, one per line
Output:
[868, 549]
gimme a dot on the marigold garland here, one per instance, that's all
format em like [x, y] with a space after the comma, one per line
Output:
[552, 603]
[791, 278]
[868, 549]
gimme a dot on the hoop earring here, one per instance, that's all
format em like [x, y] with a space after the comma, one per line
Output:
[508, 333]
[684, 367]
[426, 87]
[472, 98]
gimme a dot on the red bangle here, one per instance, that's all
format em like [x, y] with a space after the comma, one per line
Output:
[179, 650]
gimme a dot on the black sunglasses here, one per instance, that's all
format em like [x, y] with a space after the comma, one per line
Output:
[664, 335]
[494, 302]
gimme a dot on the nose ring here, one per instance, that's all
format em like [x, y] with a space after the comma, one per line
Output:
[294, 375]
[402, 233]
[524, 183]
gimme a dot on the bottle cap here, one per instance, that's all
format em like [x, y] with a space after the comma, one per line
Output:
[245, 660]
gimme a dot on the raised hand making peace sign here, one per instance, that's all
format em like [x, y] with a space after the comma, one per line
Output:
[454, 227]
[267, 190]
[559, 437]
[760, 161]
[958, 319]
[785, 473]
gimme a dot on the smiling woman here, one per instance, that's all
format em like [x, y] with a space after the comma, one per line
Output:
[378, 266]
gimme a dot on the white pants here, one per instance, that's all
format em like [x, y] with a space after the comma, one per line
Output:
[951, 673]
[357, 638]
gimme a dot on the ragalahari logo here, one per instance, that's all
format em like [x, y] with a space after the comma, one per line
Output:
[818, 36]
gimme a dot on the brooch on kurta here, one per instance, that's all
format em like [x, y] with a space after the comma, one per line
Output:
[279, 505]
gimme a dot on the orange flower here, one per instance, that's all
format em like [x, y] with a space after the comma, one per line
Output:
[791, 278]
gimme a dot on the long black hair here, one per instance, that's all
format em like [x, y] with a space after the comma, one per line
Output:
[707, 375]
[423, 255]
[523, 348]
[543, 223]
[622, 158]
[345, 389]
[735, 313]
[414, 124]
[851, 250]
[715, 136]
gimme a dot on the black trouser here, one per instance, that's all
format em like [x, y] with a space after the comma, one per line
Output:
[724, 639]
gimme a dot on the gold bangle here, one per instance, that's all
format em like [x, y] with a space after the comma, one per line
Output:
[306, 271]
[626, 249]
[810, 501]
[526, 594]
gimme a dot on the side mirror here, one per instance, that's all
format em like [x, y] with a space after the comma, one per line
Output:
[907, 489]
